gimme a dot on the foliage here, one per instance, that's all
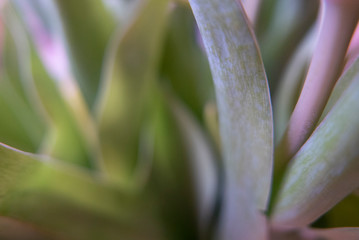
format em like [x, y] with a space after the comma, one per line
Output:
[155, 119]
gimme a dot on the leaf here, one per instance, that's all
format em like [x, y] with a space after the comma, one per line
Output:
[65, 139]
[122, 10]
[172, 179]
[289, 22]
[126, 97]
[184, 64]
[341, 86]
[202, 164]
[46, 193]
[244, 116]
[21, 122]
[326, 168]
[87, 33]
[290, 84]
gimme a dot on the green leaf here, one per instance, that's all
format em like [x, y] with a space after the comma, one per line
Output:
[35, 189]
[88, 33]
[65, 137]
[289, 23]
[244, 116]
[341, 86]
[202, 164]
[325, 169]
[184, 64]
[21, 123]
[173, 180]
[131, 71]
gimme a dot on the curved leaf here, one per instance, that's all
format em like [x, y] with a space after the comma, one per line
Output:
[131, 70]
[290, 84]
[184, 65]
[48, 194]
[88, 34]
[202, 164]
[326, 168]
[289, 22]
[341, 86]
[22, 125]
[66, 138]
[244, 115]
[173, 180]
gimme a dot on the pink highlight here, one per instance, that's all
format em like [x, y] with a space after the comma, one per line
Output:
[338, 22]
[353, 50]
[51, 48]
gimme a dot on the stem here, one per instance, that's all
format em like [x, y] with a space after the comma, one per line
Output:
[338, 22]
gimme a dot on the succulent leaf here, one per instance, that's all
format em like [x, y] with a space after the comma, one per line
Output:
[325, 169]
[131, 71]
[245, 117]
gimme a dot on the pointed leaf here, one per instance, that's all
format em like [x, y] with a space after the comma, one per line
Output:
[88, 33]
[244, 115]
[21, 123]
[131, 71]
[44, 192]
[326, 168]
[184, 64]
[65, 139]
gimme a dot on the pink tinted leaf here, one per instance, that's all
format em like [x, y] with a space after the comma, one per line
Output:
[325, 169]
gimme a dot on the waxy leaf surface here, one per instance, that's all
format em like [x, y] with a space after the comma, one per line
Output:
[245, 115]
[326, 168]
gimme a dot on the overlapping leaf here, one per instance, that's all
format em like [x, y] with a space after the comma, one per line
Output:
[44, 95]
[35, 189]
[88, 35]
[325, 169]
[202, 164]
[131, 71]
[21, 124]
[172, 179]
[244, 116]
[288, 23]
[290, 84]
[184, 65]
